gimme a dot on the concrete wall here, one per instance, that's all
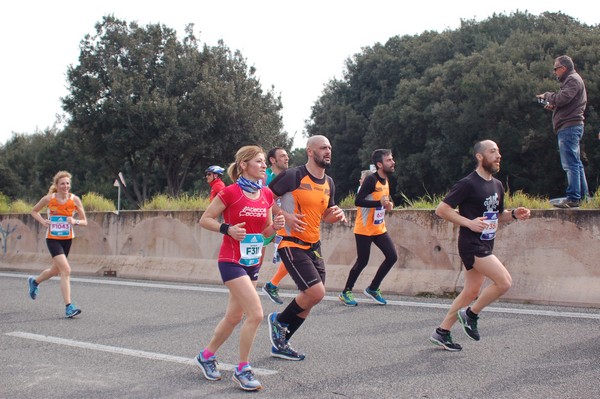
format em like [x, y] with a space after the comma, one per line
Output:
[553, 257]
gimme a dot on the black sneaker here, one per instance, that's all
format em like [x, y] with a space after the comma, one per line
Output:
[444, 340]
[287, 353]
[277, 332]
[469, 325]
[272, 292]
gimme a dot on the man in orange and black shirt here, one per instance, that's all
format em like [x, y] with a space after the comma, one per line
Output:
[307, 198]
[372, 201]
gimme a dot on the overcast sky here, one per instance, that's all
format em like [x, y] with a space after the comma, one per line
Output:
[296, 47]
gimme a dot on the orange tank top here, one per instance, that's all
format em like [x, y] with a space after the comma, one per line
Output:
[370, 221]
[59, 228]
[303, 194]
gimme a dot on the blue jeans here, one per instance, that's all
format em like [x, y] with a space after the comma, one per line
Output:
[568, 145]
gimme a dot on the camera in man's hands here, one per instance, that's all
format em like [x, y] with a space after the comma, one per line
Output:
[542, 101]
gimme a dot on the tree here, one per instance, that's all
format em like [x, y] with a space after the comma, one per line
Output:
[155, 108]
[9, 182]
[430, 97]
[32, 160]
[297, 157]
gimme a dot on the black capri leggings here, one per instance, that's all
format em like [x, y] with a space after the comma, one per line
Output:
[363, 252]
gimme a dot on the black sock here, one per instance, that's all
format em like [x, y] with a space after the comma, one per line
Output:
[294, 325]
[67, 305]
[289, 313]
[441, 331]
[471, 314]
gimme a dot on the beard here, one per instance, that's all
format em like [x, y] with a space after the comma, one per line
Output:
[490, 167]
[389, 169]
[322, 163]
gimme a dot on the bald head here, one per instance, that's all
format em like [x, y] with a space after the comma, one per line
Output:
[316, 141]
[482, 146]
[318, 151]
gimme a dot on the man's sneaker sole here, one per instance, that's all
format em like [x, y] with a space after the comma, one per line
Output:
[204, 371]
[245, 388]
[75, 313]
[466, 329]
[273, 299]
[287, 357]
[374, 298]
[33, 290]
[346, 303]
[443, 345]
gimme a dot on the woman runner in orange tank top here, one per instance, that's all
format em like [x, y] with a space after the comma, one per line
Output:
[62, 206]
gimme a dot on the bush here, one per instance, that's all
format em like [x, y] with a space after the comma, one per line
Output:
[4, 204]
[192, 203]
[348, 202]
[20, 206]
[182, 203]
[95, 202]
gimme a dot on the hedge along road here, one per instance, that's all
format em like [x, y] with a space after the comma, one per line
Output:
[137, 339]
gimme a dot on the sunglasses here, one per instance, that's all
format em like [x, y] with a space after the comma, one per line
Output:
[558, 67]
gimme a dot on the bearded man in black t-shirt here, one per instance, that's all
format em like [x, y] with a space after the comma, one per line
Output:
[480, 201]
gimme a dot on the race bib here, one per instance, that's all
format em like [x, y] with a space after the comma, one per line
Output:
[378, 215]
[251, 249]
[59, 227]
[489, 233]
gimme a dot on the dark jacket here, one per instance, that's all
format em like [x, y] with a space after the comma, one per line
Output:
[569, 102]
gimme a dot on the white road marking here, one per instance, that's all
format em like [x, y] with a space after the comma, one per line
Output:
[432, 305]
[125, 351]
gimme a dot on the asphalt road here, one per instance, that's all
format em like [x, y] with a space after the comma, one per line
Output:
[137, 339]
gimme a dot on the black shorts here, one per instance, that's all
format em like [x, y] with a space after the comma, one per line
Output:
[230, 271]
[305, 266]
[468, 249]
[58, 247]
[468, 257]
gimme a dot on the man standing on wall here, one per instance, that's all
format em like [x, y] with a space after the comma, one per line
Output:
[567, 108]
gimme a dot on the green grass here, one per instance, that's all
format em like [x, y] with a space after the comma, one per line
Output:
[593, 202]
[518, 198]
[425, 202]
[95, 202]
[511, 201]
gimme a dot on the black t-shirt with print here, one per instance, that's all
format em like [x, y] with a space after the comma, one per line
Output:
[474, 195]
